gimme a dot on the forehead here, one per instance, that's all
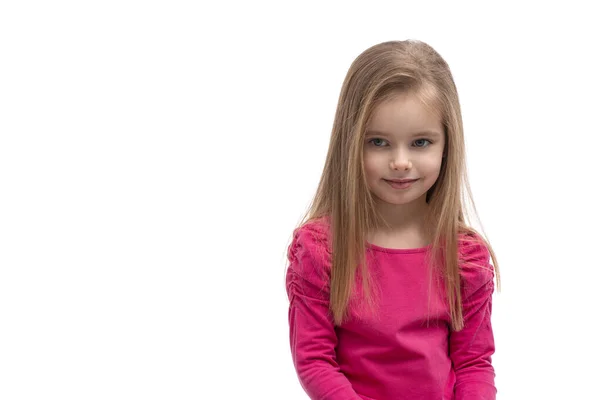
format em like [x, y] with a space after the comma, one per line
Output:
[404, 114]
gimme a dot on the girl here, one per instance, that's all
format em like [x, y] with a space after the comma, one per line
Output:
[390, 290]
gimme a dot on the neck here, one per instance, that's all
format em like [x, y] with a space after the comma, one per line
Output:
[400, 218]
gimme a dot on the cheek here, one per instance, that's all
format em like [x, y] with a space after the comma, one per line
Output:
[435, 168]
[370, 167]
[435, 165]
[434, 161]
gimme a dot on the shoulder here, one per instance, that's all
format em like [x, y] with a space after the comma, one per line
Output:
[315, 232]
[309, 269]
[472, 247]
[312, 240]
[474, 260]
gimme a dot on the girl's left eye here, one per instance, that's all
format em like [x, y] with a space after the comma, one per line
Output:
[427, 140]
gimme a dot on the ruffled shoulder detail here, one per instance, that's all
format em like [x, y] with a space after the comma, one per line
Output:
[474, 261]
[312, 239]
[309, 258]
[319, 227]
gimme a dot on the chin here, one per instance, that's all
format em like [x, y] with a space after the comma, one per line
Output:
[397, 201]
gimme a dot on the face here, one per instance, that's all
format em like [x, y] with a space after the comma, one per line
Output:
[404, 140]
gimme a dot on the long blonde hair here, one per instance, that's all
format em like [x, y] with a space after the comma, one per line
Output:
[377, 74]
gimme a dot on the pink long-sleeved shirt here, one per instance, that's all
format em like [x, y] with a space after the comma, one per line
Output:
[393, 354]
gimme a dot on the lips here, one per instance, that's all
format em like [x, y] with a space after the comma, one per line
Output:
[401, 180]
[401, 183]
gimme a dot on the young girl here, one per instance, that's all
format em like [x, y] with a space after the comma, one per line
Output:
[390, 290]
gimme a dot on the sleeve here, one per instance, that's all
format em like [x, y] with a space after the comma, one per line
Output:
[312, 335]
[472, 347]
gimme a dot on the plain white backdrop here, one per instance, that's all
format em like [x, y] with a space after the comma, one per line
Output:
[155, 157]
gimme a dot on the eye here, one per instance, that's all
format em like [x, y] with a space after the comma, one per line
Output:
[376, 140]
[420, 140]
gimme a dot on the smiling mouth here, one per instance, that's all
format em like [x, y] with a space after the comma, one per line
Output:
[400, 185]
[401, 181]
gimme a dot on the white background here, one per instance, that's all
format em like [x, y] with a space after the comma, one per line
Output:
[155, 157]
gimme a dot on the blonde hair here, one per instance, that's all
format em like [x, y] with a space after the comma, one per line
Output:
[376, 75]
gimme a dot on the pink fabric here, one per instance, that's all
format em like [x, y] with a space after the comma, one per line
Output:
[394, 354]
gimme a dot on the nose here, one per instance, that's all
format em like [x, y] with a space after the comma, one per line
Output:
[400, 163]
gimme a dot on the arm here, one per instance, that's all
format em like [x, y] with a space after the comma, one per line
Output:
[472, 347]
[312, 335]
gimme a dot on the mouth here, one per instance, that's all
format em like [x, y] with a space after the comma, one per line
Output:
[400, 180]
[401, 184]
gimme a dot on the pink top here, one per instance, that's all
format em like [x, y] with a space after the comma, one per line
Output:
[393, 355]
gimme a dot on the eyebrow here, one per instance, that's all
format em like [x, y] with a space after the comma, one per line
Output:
[420, 133]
